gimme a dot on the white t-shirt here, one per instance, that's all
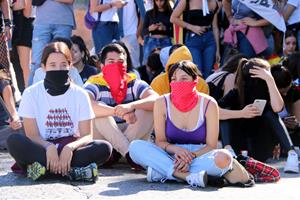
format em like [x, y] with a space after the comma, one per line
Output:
[40, 74]
[109, 15]
[295, 16]
[56, 116]
[130, 18]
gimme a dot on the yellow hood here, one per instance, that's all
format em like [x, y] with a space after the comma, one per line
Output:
[182, 53]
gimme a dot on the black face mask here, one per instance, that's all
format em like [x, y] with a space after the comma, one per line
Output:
[57, 82]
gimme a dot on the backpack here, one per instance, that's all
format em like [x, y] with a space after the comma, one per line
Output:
[90, 21]
[216, 91]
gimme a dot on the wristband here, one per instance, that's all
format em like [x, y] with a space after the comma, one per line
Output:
[8, 23]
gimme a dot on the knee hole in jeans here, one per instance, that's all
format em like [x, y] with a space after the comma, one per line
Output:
[222, 160]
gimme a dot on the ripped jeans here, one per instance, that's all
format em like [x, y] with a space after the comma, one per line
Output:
[148, 154]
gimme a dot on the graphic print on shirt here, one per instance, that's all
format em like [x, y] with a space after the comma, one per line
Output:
[58, 124]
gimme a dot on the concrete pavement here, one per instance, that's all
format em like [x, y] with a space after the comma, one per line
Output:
[123, 183]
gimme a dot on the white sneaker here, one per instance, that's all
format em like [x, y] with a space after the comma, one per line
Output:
[231, 151]
[197, 179]
[154, 176]
[292, 163]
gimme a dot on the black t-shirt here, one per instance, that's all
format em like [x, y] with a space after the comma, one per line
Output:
[162, 17]
[3, 114]
[87, 72]
[231, 101]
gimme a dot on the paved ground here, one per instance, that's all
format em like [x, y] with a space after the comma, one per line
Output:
[122, 183]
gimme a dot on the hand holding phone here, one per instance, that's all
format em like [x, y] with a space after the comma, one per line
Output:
[260, 105]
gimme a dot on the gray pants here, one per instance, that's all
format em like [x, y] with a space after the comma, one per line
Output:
[6, 131]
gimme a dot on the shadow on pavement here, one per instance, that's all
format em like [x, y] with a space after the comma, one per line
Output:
[138, 185]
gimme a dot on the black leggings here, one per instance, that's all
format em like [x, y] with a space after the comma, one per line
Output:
[258, 131]
[26, 152]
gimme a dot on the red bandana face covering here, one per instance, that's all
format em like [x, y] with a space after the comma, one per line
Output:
[184, 95]
[115, 75]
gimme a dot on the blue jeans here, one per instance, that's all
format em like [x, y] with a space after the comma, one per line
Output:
[104, 33]
[148, 154]
[42, 35]
[150, 43]
[244, 46]
[203, 49]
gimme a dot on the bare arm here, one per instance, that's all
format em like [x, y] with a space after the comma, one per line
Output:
[32, 131]
[86, 135]
[229, 83]
[288, 12]
[145, 103]
[95, 7]
[175, 17]
[28, 8]
[296, 110]
[227, 9]
[159, 116]
[10, 102]
[216, 35]
[5, 9]
[212, 128]
[100, 109]
[65, 1]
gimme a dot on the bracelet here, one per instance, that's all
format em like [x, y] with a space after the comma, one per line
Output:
[165, 148]
[8, 23]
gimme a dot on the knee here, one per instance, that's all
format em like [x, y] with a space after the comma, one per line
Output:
[135, 147]
[14, 140]
[104, 148]
[223, 159]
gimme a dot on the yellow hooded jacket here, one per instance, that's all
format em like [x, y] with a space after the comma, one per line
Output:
[161, 83]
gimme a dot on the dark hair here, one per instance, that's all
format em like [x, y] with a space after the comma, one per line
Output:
[128, 58]
[293, 65]
[244, 80]
[82, 47]
[56, 47]
[154, 63]
[174, 47]
[167, 8]
[67, 41]
[232, 63]
[290, 33]
[282, 76]
[187, 66]
[112, 47]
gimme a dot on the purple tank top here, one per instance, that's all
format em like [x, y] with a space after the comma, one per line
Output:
[176, 135]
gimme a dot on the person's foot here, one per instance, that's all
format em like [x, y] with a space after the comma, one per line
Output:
[197, 179]
[113, 159]
[292, 163]
[88, 173]
[133, 164]
[154, 176]
[35, 171]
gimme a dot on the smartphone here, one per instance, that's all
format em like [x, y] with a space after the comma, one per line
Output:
[289, 117]
[260, 104]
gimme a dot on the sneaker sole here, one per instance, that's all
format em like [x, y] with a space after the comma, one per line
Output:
[149, 172]
[293, 170]
[35, 171]
[205, 180]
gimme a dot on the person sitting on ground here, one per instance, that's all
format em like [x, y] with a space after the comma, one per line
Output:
[81, 59]
[122, 103]
[291, 97]
[9, 122]
[222, 81]
[161, 84]
[186, 124]
[40, 73]
[153, 66]
[57, 118]
[250, 126]
[290, 43]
